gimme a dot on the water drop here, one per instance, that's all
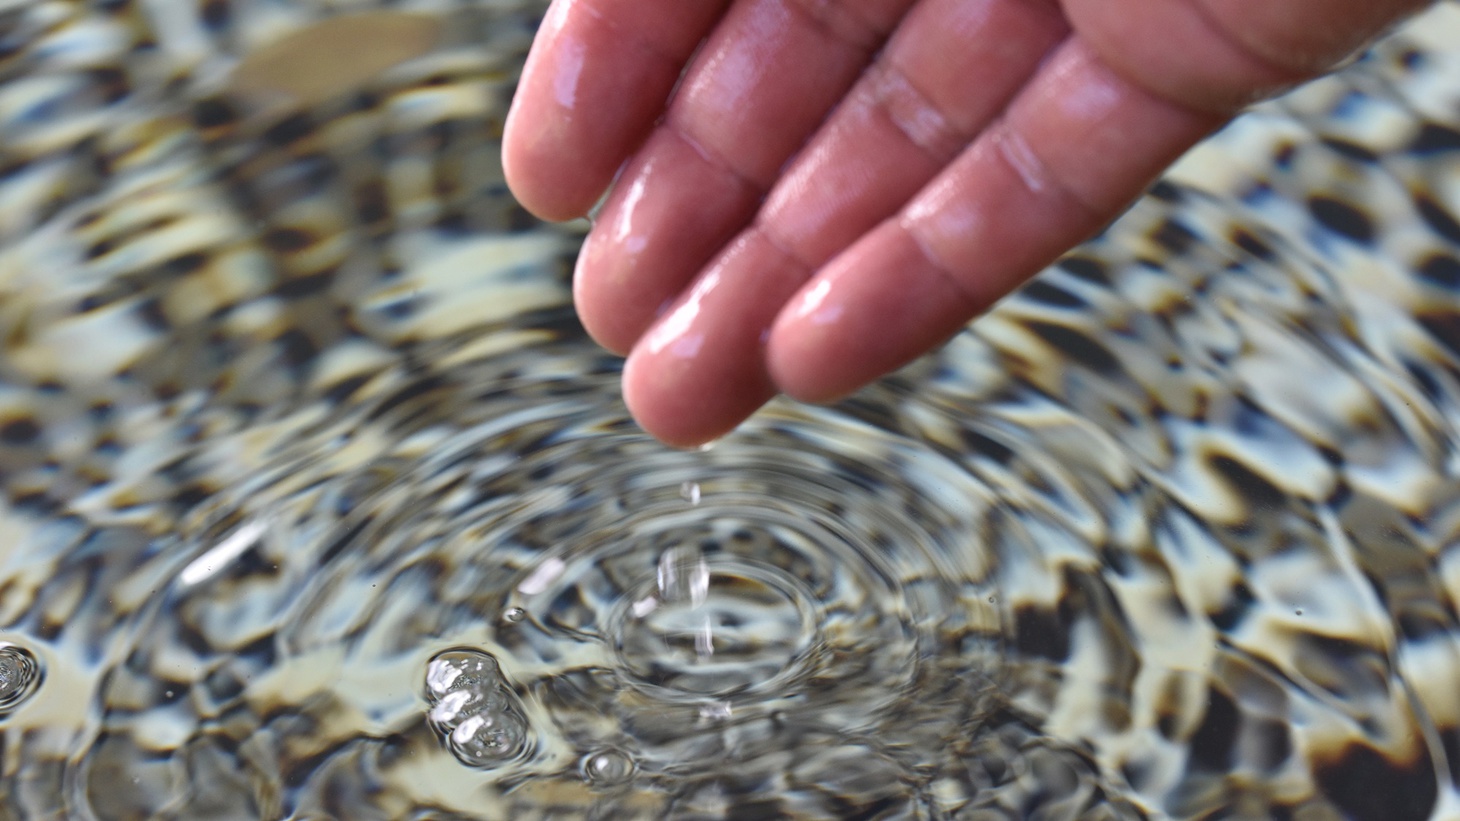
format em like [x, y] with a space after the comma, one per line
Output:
[608, 768]
[514, 615]
[683, 576]
[705, 638]
[715, 711]
[473, 708]
[690, 492]
[20, 676]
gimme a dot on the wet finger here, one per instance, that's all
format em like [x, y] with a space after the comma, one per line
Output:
[949, 69]
[699, 372]
[1074, 148]
[908, 116]
[763, 82]
[669, 214]
[597, 79]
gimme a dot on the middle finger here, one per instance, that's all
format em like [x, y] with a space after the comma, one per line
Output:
[762, 83]
[948, 71]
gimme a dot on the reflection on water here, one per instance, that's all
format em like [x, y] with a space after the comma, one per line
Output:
[318, 504]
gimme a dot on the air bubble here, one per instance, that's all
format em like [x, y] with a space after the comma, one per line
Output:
[473, 709]
[464, 703]
[460, 670]
[608, 768]
[20, 676]
[488, 738]
[514, 615]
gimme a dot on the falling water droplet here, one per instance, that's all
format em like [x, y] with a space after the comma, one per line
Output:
[683, 575]
[715, 711]
[20, 676]
[690, 491]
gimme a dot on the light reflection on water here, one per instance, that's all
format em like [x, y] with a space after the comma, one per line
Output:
[318, 504]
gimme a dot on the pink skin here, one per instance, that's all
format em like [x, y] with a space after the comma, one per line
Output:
[837, 186]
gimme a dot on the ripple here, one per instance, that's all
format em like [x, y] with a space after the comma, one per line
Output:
[740, 628]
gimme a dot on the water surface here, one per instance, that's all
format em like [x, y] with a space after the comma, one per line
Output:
[317, 503]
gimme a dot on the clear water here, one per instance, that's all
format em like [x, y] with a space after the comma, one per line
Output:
[316, 503]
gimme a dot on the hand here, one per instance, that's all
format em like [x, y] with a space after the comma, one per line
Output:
[837, 186]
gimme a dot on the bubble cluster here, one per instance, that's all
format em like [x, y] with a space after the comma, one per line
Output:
[473, 710]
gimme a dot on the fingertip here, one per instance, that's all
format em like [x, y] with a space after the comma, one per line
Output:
[668, 213]
[542, 196]
[699, 371]
[535, 139]
[668, 403]
[596, 289]
[668, 417]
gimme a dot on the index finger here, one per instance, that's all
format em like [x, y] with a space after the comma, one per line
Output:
[596, 80]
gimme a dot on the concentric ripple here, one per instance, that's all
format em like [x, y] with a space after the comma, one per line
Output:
[715, 628]
[577, 601]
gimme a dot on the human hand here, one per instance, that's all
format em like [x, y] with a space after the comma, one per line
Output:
[837, 186]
